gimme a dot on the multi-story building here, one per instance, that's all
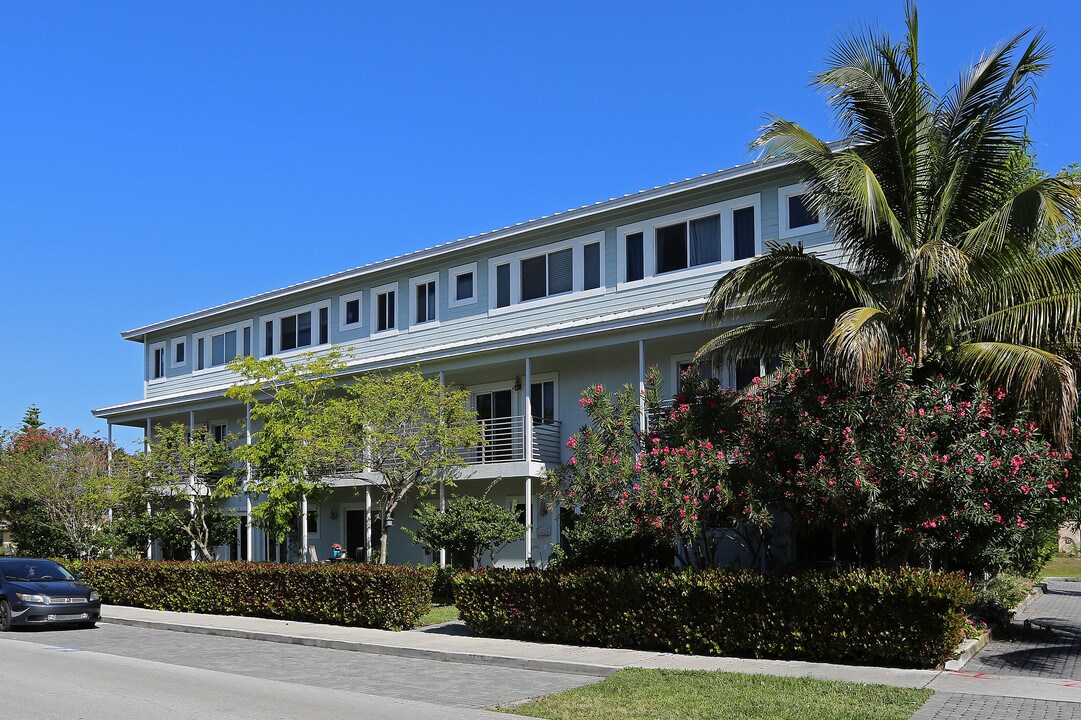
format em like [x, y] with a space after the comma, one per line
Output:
[524, 318]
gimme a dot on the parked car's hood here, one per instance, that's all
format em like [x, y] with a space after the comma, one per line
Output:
[52, 587]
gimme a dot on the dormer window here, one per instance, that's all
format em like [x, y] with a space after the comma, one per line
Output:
[463, 285]
[794, 213]
[385, 309]
[216, 348]
[688, 242]
[425, 296]
[350, 311]
[157, 361]
[297, 329]
[551, 273]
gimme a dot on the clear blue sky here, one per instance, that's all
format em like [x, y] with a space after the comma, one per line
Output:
[158, 158]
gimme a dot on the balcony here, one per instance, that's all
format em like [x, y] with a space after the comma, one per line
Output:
[504, 441]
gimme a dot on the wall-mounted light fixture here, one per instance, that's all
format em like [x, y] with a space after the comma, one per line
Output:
[517, 382]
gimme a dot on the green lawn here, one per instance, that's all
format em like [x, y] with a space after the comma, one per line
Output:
[1062, 566]
[637, 694]
[439, 614]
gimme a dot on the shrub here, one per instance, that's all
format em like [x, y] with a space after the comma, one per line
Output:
[375, 596]
[912, 617]
[996, 597]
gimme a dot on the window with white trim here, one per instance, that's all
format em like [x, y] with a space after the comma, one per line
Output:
[542, 401]
[425, 295]
[463, 285]
[690, 241]
[350, 311]
[313, 522]
[297, 329]
[156, 354]
[215, 348]
[178, 353]
[385, 309]
[219, 431]
[794, 213]
[550, 273]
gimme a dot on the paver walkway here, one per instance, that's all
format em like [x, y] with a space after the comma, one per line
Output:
[1050, 650]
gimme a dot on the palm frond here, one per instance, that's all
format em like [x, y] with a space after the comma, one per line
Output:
[787, 280]
[1051, 205]
[1042, 322]
[982, 124]
[1040, 378]
[861, 343]
[764, 338]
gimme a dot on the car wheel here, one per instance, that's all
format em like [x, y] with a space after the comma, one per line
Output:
[5, 616]
[88, 626]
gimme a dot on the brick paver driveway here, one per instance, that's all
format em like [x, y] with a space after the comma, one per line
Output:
[1051, 648]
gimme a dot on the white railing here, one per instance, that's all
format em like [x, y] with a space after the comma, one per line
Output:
[504, 441]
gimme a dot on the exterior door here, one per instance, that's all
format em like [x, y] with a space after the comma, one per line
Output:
[354, 535]
[494, 413]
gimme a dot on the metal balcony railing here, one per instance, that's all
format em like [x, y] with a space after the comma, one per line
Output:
[504, 441]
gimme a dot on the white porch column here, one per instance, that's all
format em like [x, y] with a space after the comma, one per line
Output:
[442, 509]
[528, 423]
[247, 482]
[442, 488]
[109, 463]
[191, 477]
[304, 529]
[642, 385]
[146, 448]
[368, 524]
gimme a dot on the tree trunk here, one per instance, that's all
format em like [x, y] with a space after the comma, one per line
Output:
[383, 545]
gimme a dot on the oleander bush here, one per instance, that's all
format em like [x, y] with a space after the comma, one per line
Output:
[389, 597]
[911, 617]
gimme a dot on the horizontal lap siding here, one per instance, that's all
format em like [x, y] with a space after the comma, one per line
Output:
[470, 322]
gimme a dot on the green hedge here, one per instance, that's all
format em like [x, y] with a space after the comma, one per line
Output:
[911, 618]
[377, 596]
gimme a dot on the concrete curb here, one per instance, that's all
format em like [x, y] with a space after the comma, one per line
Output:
[967, 651]
[536, 664]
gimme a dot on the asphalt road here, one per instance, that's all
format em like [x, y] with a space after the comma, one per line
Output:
[119, 672]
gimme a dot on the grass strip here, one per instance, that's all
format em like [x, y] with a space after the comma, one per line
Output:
[638, 694]
[439, 614]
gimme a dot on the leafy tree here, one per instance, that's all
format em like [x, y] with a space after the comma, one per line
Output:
[55, 485]
[469, 528]
[408, 429]
[942, 229]
[185, 476]
[298, 442]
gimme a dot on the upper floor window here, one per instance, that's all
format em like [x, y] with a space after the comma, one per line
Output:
[542, 401]
[157, 361]
[350, 311]
[178, 356]
[794, 213]
[296, 329]
[546, 273]
[215, 348]
[463, 285]
[425, 304]
[722, 232]
[384, 308]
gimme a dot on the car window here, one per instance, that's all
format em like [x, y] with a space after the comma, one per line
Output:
[35, 571]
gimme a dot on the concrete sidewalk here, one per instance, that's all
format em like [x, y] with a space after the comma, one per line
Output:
[447, 644]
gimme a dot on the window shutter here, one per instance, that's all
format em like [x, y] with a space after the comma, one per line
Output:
[502, 286]
[743, 230]
[635, 257]
[592, 263]
[561, 272]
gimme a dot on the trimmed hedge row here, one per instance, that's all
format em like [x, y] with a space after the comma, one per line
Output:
[376, 596]
[910, 618]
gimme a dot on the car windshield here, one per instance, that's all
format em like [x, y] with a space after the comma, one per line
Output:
[35, 571]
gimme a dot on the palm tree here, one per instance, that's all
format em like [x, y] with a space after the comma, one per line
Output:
[940, 214]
